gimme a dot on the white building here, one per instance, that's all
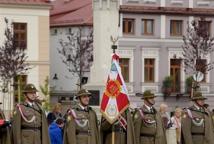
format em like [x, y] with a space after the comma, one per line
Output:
[66, 17]
[150, 39]
[31, 23]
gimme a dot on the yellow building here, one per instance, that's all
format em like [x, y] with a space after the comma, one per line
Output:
[30, 20]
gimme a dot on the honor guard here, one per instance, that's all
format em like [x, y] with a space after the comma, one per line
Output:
[29, 123]
[123, 130]
[82, 123]
[196, 124]
[148, 124]
[4, 129]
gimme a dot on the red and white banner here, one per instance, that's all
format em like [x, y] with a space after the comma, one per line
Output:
[115, 98]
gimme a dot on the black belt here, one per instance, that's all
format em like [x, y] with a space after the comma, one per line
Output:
[197, 133]
[118, 128]
[78, 132]
[121, 130]
[115, 130]
[30, 128]
[146, 135]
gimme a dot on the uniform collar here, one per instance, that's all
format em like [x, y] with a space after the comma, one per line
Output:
[30, 103]
[148, 107]
[82, 107]
[197, 107]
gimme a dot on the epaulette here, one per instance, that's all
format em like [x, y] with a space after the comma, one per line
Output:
[199, 111]
[39, 111]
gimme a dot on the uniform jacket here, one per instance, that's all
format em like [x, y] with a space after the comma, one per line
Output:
[148, 126]
[4, 131]
[81, 126]
[197, 127]
[32, 128]
[121, 136]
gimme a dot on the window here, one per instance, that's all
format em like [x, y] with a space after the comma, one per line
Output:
[95, 98]
[54, 31]
[128, 26]
[149, 70]
[124, 64]
[206, 26]
[176, 27]
[201, 66]
[22, 80]
[20, 34]
[147, 26]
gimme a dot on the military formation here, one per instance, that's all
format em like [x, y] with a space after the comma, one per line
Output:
[144, 125]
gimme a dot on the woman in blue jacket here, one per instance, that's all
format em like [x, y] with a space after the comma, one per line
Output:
[56, 131]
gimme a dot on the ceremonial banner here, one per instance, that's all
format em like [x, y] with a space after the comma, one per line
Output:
[115, 98]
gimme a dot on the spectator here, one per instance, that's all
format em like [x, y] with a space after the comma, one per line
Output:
[176, 123]
[4, 129]
[56, 131]
[56, 112]
[165, 116]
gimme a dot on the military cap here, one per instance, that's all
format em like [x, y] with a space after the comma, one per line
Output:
[83, 92]
[197, 96]
[146, 95]
[30, 88]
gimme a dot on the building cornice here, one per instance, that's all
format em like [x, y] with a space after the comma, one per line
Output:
[52, 25]
[166, 10]
[39, 62]
[26, 6]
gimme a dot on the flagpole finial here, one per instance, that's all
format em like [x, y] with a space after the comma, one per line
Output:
[114, 46]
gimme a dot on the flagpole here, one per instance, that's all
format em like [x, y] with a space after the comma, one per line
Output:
[114, 47]
[113, 135]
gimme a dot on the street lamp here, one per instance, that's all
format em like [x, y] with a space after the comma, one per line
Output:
[55, 79]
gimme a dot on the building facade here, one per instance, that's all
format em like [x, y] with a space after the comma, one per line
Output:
[30, 21]
[150, 45]
[67, 16]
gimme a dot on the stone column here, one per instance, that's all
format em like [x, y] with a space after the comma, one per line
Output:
[105, 25]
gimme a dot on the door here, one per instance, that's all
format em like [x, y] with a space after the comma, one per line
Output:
[175, 73]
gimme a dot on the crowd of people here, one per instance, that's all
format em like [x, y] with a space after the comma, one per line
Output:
[80, 125]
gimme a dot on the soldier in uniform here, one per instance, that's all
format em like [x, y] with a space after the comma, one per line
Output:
[148, 124]
[196, 124]
[82, 123]
[123, 129]
[4, 129]
[29, 124]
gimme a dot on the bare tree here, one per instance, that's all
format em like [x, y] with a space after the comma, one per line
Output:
[76, 52]
[197, 45]
[12, 58]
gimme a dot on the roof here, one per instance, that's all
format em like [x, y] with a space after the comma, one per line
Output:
[26, 2]
[166, 10]
[71, 13]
